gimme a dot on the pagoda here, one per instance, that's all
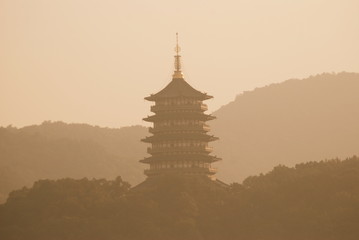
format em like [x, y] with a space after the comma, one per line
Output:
[179, 140]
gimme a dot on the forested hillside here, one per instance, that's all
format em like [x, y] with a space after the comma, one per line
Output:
[312, 201]
[56, 150]
[287, 123]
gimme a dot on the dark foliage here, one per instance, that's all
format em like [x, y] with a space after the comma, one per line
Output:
[313, 201]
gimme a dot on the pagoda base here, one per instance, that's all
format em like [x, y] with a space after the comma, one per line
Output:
[175, 180]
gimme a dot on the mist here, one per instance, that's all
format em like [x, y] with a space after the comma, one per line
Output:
[94, 61]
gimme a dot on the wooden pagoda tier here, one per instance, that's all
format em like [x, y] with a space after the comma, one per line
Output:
[179, 134]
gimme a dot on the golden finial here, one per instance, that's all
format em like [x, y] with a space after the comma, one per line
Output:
[178, 72]
[177, 49]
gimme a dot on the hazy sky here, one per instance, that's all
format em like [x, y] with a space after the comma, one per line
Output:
[93, 61]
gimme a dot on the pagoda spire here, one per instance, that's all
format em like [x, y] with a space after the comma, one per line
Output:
[177, 73]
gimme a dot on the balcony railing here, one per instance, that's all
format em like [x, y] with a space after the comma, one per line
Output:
[203, 127]
[191, 170]
[198, 106]
[156, 150]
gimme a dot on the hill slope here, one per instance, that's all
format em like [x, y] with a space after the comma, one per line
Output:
[57, 150]
[287, 123]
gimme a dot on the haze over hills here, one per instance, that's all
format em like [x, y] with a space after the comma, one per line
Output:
[287, 123]
[56, 150]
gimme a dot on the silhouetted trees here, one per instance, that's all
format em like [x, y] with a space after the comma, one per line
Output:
[313, 201]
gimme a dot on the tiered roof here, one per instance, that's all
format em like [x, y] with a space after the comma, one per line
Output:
[178, 87]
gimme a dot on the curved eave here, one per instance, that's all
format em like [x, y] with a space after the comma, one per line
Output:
[179, 131]
[154, 98]
[178, 87]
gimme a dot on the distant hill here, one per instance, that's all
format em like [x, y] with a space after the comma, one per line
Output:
[56, 150]
[287, 123]
[312, 201]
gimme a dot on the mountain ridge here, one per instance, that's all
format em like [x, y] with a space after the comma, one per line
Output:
[313, 118]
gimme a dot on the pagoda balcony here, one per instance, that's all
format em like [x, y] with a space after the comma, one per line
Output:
[159, 150]
[170, 136]
[176, 170]
[179, 115]
[200, 106]
[177, 128]
[204, 157]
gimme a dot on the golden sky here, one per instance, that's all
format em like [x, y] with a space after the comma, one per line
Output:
[93, 61]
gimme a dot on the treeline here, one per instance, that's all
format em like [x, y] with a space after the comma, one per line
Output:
[55, 150]
[312, 201]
